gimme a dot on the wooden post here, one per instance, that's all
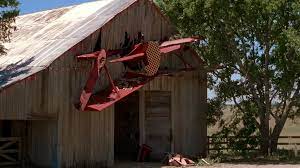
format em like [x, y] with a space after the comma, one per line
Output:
[208, 144]
[20, 152]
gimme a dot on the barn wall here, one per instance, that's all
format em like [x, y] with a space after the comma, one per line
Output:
[188, 110]
[27, 100]
[140, 17]
[84, 138]
[87, 138]
[42, 142]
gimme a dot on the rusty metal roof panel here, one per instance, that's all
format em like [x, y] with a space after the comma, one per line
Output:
[44, 36]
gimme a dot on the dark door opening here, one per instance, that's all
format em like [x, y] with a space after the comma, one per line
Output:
[127, 128]
[6, 128]
[12, 142]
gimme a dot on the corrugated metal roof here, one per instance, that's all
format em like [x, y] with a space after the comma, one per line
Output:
[44, 36]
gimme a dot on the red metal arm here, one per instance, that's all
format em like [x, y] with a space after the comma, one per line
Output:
[109, 53]
[180, 41]
[89, 87]
[136, 54]
[169, 49]
[134, 57]
[89, 56]
[139, 56]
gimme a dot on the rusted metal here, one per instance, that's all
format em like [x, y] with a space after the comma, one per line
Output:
[134, 57]
[106, 98]
[149, 53]
[109, 53]
[88, 89]
[110, 80]
[99, 63]
[169, 49]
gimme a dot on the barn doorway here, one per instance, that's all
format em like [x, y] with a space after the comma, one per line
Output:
[127, 136]
[158, 127]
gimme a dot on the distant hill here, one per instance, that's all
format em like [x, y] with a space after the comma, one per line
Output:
[291, 127]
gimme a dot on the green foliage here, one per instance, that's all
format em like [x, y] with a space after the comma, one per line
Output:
[215, 112]
[258, 44]
[9, 10]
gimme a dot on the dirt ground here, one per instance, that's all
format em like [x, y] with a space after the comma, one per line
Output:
[252, 166]
[239, 165]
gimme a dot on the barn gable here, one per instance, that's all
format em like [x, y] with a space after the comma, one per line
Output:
[44, 36]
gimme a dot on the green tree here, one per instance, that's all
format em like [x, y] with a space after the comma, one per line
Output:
[257, 42]
[8, 12]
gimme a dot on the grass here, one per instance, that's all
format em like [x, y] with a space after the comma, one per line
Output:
[286, 154]
[291, 128]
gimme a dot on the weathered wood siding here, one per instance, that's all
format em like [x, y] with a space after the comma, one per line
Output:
[188, 104]
[42, 142]
[87, 138]
[158, 127]
[140, 17]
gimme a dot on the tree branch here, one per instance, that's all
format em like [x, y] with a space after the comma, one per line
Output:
[237, 104]
[241, 109]
[273, 96]
[275, 117]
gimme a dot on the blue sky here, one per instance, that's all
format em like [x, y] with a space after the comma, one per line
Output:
[30, 6]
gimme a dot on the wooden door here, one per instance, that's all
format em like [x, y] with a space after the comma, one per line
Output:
[158, 122]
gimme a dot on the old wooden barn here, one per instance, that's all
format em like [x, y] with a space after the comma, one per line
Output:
[41, 80]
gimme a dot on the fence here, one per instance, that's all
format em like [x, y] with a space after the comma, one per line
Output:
[10, 151]
[286, 142]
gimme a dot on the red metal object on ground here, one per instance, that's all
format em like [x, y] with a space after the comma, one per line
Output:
[149, 53]
[144, 152]
[179, 161]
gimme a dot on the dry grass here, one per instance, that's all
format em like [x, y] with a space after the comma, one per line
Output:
[292, 127]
